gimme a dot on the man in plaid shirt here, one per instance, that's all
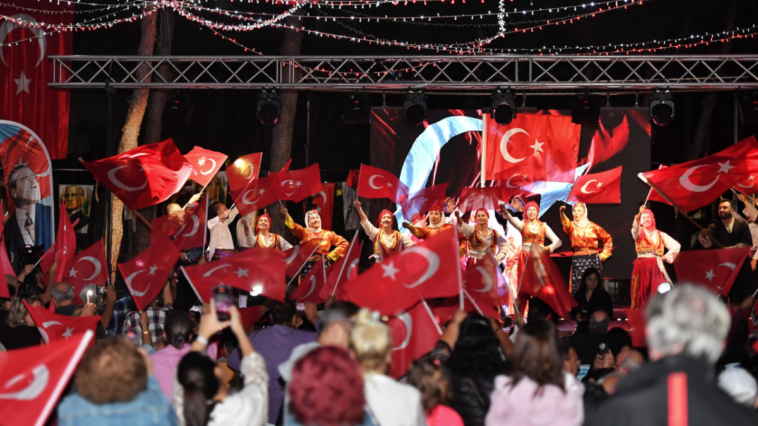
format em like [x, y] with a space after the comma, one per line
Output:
[156, 315]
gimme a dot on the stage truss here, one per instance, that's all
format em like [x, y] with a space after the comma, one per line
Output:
[531, 73]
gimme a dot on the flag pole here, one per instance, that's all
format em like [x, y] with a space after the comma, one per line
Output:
[431, 315]
[190, 282]
[205, 225]
[666, 197]
[347, 256]
[473, 303]
[483, 167]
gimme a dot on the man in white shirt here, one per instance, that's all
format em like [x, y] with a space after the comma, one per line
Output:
[245, 234]
[221, 244]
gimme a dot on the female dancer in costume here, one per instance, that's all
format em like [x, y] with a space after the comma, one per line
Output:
[584, 236]
[262, 236]
[436, 224]
[649, 271]
[481, 238]
[313, 231]
[391, 240]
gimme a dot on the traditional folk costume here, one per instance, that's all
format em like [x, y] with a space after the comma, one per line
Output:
[329, 239]
[423, 232]
[390, 244]
[584, 236]
[257, 239]
[480, 245]
[532, 232]
[649, 271]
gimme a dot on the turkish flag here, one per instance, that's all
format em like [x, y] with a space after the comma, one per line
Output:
[257, 270]
[715, 269]
[427, 270]
[258, 194]
[324, 203]
[243, 171]
[481, 283]
[377, 183]
[20, 149]
[26, 70]
[352, 178]
[695, 184]
[475, 302]
[543, 147]
[598, 188]
[637, 327]
[88, 267]
[143, 176]
[414, 334]
[423, 200]
[146, 274]
[32, 379]
[297, 185]
[65, 245]
[186, 228]
[296, 257]
[54, 327]
[443, 313]
[473, 199]
[606, 144]
[205, 163]
[343, 270]
[310, 288]
[543, 280]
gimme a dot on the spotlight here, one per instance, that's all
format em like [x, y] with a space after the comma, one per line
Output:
[268, 109]
[357, 109]
[414, 107]
[662, 108]
[503, 109]
[749, 108]
[585, 110]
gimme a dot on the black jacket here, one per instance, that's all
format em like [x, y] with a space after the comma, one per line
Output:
[599, 301]
[471, 398]
[740, 233]
[642, 398]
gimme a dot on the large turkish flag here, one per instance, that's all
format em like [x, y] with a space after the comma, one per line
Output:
[88, 268]
[243, 170]
[206, 164]
[54, 327]
[297, 185]
[715, 269]
[146, 274]
[414, 334]
[542, 147]
[377, 183]
[25, 71]
[598, 188]
[186, 228]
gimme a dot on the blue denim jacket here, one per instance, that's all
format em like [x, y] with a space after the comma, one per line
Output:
[149, 408]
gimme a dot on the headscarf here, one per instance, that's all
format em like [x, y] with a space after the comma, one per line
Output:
[308, 222]
[530, 205]
[652, 216]
[583, 222]
[257, 225]
[483, 211]
[437, 208]
[381, 215]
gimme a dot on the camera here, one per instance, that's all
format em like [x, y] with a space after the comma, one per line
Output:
[30, 255]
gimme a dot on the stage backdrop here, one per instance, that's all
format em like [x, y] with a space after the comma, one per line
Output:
[447, 147]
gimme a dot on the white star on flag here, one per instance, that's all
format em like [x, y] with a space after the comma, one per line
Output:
[241, 272]
[22, 83]
[537, 146]
[390, 271]
[153, 269]
[599, 184]
[725, 167]
[261, 191]
[68, 332]
[21, 162]
[389, 184]
[72, 272]
[201, 162]
[298, 184]
[709, 275]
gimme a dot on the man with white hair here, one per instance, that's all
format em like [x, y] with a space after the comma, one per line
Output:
[686, 333]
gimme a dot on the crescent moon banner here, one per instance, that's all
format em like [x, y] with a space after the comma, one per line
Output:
[309, 289]
[716, 269]
[206, 164]
[414, 334]
[146, 273]
[243, 170]
[598, 188]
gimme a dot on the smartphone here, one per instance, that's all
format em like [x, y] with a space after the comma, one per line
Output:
[222, 295]
[300, 307]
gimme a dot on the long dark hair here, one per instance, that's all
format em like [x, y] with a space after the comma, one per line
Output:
[477, 351]
[196, 375]
[179, 329]
[583, 283]
[537, 355]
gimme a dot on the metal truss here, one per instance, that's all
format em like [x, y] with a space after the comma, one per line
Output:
[398, 73]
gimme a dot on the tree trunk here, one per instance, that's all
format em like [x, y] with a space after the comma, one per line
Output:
[154, 114]
[282, 147]
[131, 129]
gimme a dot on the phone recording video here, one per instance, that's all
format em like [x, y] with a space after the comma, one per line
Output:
[222, 295]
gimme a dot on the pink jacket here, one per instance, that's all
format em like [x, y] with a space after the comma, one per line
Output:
[519, 406]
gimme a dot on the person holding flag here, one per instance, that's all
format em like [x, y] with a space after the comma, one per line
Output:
[262, 236]
[313, 231]
[584, 236]
[436, 224]
[390, 239]
[532, 230]
[481, 238]
[650, 244]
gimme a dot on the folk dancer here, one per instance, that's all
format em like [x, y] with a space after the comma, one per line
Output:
[262, 237]
[390, 239]
[649, 271]
[482, 239]
[584, 236]
[313, 231]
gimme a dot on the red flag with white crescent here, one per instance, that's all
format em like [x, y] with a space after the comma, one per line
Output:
[88, 267]
[185, 227]
[377, 183]
[146, 274]
[258, 194]
[473, 199]
[427, 270]
[715, 269]
[481, 283]
[297, 185]
[26, 70]
[598, 188]
[296, 257]
[143, 176]
[343, 270]
[543, 280]
[206, 164]
[323, 201]
[32, 379]
[54, 327]
[414, 334]
[310, 287]
[423, 200]
[243, 171]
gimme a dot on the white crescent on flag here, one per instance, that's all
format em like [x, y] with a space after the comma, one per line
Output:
[504, 145]
[685, 181]
[407, 321]
[95, 263]
[487, 280]
[114, 180]
[128, 281]
[209, 170]
[432, 259]
[33, 390]
[372, 184]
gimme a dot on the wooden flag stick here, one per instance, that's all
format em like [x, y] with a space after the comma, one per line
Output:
[684, 213]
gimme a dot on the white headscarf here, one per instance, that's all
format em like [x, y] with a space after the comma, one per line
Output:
[308, 222]
[582, 223]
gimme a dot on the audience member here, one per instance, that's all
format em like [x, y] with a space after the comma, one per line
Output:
[62, 294]
[327, 390]
[538, 392]
[571, 362]
[115, 385]
[275, 345]
[18, 330]
[432, 379]
[5, 302]
[590, 297]
[389, 402]
[199, 397]
[587, 344]
[740, 385]
[686, 331]
[156, 313]
[177, 333]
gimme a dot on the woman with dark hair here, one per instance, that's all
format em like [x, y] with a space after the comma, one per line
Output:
[538, 391]
[432, 379]
[590, 297]
[177, 333]
[327, 390]
[18, 330]
[199, 398]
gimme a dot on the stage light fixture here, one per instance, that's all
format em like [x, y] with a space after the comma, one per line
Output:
[357, 109]
[503, 109]
[414, 107]
[662, 108]
[585, 110]
[749, 108]
[268, 109]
